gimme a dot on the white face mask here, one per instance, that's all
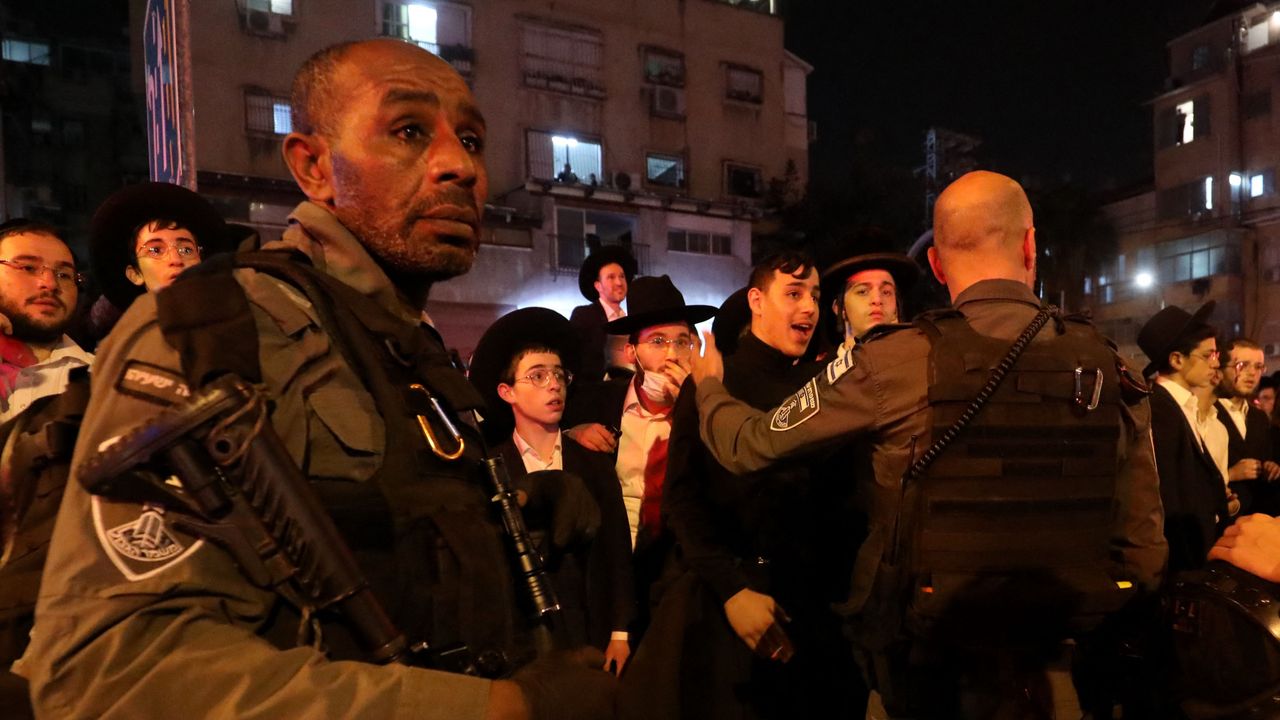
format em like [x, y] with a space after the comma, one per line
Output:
[654, 386]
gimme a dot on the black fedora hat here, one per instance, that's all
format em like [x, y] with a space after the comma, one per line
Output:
[656, 301]
[590, 271]
[733, 316]
[508, 335]
[1162, 332]
[904, 271]
[111, 231]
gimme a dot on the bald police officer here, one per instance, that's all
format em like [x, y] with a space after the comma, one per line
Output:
[878, 393]
[140, 619]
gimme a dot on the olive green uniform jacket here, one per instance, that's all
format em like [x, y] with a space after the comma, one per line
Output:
[166, 628]
[879, 392]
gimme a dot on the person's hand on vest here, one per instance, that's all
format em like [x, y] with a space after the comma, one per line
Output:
[560, 502]
[708, 363]
[1252, 544]
[750, 613]
[568, 685]
[593, 436]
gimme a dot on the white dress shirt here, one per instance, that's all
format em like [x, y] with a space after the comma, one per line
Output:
[534, 462]
[640, 430]
[1238, 410]
[45, 378]
[1211, 433]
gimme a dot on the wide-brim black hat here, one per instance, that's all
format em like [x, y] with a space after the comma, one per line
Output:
[112, 228]
[656, 301]
[904, 271]
[590, 271]
[733, 316]
[1165, 329]
[504, 338]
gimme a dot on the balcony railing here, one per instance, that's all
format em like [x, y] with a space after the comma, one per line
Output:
[569, 251]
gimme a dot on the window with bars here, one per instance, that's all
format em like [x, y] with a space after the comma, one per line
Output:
[703, 243]
[266, 114]
[561, 59]
[744, 84]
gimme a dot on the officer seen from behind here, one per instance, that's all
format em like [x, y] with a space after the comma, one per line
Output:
[932, 537]
[141, 616]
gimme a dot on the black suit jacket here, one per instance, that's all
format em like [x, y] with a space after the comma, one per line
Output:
[595, 584]
[1255, 495]
[589, 321]
[1191, 487]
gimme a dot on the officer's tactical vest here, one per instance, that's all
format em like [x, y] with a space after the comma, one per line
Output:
[1004, 538]
[422, 527]
[37, 447]
[1028, 488]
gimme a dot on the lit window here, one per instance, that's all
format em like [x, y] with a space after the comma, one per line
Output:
[1258, 36]
[33, 53]
[278, 7]
[1200, 57]
[267, 114]
[1187, 112]
[1257, 186]
[564, 156]
[744, 84]
[416, 23]
[664, 170]
[1208, 193]
[1088, 285]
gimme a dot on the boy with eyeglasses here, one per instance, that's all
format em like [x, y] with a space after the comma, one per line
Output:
[523, 365]
[1183, 355]
[1249, 449]
[43, 388]
[144, 236]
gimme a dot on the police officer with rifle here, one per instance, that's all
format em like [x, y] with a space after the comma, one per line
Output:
[278, 504]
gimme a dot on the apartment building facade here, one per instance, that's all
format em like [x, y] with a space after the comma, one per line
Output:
[661, 125]
[1209, 227]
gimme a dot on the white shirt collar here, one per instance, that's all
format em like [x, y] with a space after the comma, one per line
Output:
[532, 460]
[610, 313]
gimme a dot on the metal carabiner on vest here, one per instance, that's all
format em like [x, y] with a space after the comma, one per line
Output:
[1097, 390]
[430, 434]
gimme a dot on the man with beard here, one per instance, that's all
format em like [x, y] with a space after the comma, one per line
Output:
[43, 383]
[603, 281]
[767, 552]
[660, 341]
[140, 618]
[1249, 451]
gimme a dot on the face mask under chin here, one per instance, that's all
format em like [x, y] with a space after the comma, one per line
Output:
[654, 386]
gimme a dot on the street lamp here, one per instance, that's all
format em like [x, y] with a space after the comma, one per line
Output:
[1144, 280]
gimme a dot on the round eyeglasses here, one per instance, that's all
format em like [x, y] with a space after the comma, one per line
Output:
[541, 377]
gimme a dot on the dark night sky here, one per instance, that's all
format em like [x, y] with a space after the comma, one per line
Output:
[1055, 89]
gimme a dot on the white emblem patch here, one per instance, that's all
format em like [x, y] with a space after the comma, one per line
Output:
[145, 539]
[798, 408]
[843, 363]
[139, 544]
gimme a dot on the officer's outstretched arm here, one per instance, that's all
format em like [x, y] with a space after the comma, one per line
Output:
[858, 392]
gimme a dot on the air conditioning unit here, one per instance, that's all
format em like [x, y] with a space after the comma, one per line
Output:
[668, 101]
[275, 24]
[1271, 274]
[1271, 349]
[258, 20]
